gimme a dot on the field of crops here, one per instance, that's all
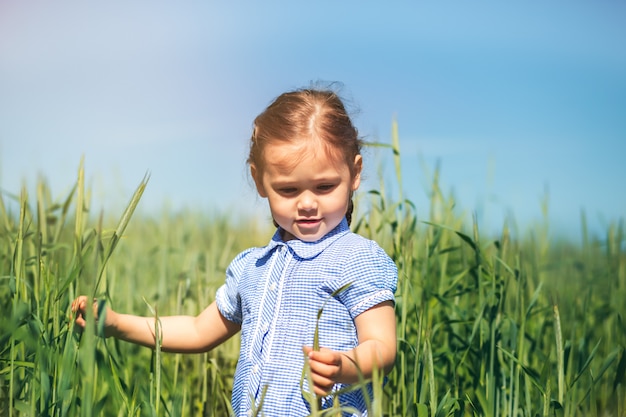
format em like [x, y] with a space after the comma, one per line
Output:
[500, 325]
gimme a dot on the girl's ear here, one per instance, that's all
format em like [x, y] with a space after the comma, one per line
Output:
[358, 166]
[258, 181]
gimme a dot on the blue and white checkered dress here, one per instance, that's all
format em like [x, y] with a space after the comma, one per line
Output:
[275, 293]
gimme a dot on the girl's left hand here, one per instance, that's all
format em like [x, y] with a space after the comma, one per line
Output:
[326, 366]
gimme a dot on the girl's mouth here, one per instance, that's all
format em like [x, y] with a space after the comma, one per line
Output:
[308, 222]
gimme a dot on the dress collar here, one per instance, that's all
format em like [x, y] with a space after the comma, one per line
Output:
[302, 249]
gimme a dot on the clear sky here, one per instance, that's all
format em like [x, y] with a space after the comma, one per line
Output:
[513, 99]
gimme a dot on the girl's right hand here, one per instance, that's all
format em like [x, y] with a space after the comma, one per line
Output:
[79, 308]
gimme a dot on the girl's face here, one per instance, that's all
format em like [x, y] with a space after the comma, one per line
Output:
[309, 198]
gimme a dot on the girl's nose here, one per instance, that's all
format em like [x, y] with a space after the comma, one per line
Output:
[307, 201]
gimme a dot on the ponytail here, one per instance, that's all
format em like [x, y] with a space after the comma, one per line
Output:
[349, 211]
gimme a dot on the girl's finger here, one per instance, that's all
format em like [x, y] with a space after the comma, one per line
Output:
[326, 356]
[78, 303]
[323, 389]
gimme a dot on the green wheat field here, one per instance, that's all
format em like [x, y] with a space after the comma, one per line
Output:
[487, 325]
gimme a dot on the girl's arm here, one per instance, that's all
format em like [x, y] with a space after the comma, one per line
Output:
[181, 334]
[376, 330]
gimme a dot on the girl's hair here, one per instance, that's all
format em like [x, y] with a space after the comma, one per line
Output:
[309, 114]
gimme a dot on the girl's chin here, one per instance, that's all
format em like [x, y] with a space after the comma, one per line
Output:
[305, 235]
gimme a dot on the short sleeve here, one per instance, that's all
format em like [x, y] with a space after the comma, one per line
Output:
[369, 276]
[227, 296]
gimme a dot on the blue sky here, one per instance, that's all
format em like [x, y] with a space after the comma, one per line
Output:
[511, 99]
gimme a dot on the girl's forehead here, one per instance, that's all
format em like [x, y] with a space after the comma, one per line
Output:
[291, 153]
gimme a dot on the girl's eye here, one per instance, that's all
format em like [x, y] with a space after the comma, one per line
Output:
[287, 190]
[325, 187]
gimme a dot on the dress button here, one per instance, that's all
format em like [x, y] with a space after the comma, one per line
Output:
[273, 286]
[255, 369]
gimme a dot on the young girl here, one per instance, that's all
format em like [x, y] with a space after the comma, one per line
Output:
[305, 159]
